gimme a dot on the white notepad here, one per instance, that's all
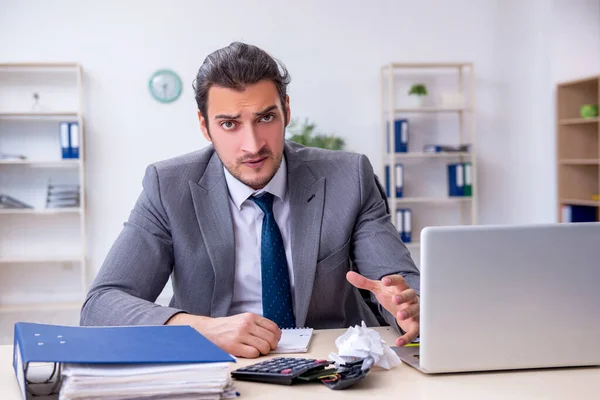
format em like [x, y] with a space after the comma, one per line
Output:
[294, 340]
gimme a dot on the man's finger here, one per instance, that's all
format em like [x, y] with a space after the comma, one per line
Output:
[361, 282]
[395, 280]
[268, 325]
[245, 351]
[408, 336]
[265, 334]
[411, 311]
[406, 296]
[259, 344]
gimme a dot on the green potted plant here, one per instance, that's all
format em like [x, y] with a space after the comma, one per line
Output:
[588, 111]
[305, 133]
[417, 94]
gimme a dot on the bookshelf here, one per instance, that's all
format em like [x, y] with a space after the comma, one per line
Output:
[577, 146]
[42, 250]
[437, 121]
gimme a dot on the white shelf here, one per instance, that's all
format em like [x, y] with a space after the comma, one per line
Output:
[400, 156]
[39, 115]
[40, 260]
[431, 110]
[429, 65]
[35, 131]
[38, 66]
[11, 308]
[41, 211]
[434, 199]
[42, 163]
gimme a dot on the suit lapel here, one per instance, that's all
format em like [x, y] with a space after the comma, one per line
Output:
[306, 196]
[216, 224]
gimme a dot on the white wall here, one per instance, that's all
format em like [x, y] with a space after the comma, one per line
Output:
[334, 50]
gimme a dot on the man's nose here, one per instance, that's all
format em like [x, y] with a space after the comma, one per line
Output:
[252, 143]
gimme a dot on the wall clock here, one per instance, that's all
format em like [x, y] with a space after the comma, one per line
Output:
[165, 86]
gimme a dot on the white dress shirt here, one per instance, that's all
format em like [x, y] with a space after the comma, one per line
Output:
[247, 228]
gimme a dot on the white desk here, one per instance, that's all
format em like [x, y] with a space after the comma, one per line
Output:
[402, 382]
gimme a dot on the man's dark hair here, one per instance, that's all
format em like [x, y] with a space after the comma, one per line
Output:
[237, 66]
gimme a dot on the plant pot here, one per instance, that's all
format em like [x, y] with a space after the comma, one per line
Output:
[415, 101]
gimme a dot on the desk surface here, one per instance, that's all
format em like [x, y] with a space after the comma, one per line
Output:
[402, 381]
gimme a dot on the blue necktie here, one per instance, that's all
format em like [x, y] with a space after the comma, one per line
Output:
[276, 292]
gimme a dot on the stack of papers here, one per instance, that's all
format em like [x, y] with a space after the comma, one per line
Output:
[154, 381]
[121, 362]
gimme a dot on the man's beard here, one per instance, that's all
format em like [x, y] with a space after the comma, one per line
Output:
[256, 182]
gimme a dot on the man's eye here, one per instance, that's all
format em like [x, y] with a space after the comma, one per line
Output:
[228, 125]
[267, 118]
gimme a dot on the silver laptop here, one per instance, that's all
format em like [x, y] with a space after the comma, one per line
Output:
[508, 297]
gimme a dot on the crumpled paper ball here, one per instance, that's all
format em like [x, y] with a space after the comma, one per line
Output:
[360, 342]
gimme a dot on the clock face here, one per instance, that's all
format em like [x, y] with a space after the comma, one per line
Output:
[165, 86]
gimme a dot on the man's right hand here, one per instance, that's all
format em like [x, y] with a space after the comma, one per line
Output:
[244, 335]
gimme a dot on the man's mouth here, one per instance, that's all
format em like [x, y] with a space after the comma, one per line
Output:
[255, 162]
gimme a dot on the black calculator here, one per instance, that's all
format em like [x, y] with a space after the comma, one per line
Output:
[281, 370]
[289, 370]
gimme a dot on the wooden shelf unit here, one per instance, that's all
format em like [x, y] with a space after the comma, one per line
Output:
[577, 144]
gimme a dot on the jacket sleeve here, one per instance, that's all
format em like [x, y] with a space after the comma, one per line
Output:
[136, 268]
[377, 249]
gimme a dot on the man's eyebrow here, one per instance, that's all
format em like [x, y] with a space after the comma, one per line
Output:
[266, 110]
[223, 116]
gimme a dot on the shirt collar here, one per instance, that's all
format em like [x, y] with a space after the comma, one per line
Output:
[239, 192]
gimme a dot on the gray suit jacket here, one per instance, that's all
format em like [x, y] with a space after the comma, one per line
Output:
[181, 226]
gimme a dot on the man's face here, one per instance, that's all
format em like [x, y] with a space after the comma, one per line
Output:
[247, 129]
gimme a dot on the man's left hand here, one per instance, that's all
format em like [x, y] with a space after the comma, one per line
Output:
[394, 294]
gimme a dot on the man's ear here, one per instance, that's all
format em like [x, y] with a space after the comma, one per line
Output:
[288, 113]
[204, 126]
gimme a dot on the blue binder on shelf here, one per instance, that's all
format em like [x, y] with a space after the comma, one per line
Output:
[65, 140]
[400, 135]
[74, 140]
[56, 344]
[573, 213]
[404, 224]
[456, 180]
[399, 184]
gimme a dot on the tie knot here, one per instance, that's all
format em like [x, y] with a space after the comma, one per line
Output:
[264, 202]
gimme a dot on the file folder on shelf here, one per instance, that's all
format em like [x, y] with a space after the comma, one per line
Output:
[148, 345]
[455, 180]
[400, 135]
[65, 140]
[468, 181]
[572, 213]
[406, 235]
[399, 184]
[74, 140]
[404, 224]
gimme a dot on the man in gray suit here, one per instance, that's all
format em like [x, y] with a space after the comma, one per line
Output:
[257, 233]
